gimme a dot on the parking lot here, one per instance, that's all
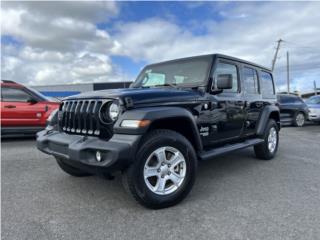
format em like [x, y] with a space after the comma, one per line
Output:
[235, 197]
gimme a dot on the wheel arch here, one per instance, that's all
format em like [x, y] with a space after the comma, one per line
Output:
[177, 119]
[269, 112]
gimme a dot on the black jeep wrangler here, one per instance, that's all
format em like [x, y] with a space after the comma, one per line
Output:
[175, 114]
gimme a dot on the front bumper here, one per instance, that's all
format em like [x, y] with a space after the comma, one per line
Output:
[80, 151]
[314, 114]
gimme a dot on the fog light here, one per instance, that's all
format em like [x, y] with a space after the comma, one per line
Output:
[98, 156]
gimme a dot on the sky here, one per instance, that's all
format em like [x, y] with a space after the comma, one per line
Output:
[45, 43]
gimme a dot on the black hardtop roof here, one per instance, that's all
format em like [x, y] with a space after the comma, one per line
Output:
[242, 61]
[220, 56]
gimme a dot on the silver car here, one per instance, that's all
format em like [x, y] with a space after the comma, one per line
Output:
[314, 108]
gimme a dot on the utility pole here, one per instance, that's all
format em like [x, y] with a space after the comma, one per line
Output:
[315, 87]
[288, 75]
[276, 54]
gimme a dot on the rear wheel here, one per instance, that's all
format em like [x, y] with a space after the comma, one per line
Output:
[299, 119]
[164, 170]
[71, 170]
[269, 147]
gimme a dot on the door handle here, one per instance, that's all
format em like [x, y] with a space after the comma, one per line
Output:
[10, 106]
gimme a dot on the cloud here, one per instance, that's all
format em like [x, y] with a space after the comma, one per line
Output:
[247, 31]
[59, 42]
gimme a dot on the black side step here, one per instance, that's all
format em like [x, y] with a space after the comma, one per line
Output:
[228, 148]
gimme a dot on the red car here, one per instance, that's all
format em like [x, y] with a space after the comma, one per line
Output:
[24, 111]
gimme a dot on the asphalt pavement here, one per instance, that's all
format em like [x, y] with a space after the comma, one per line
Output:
[235, 196]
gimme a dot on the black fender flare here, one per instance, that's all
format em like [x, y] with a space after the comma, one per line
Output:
[157, 114]
[264, 117]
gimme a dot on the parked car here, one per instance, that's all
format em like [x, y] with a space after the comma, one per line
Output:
[293, 110]
[314, 108]
[24, 111]
[175, 113]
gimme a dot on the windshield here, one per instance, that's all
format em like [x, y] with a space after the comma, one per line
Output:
[43, 97]
[187, 72]
[313, 100]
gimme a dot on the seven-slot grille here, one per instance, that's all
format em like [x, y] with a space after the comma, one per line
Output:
[81, 116]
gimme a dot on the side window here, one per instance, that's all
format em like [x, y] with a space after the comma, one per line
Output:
[267, 88]
[14, 95]
[298, 100]
[250, 81]
[227, 68]
[287, 99]
[283, 99]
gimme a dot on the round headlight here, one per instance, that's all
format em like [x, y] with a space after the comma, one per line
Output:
[114, 111]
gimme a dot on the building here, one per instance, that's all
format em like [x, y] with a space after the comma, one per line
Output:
[309, 94]
[65, 90]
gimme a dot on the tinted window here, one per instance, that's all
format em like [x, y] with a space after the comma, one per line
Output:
[285, 99]
[250, 81]
[227, 68]
[14, 95]
[289, 99]
[266, 84]
[297, 100]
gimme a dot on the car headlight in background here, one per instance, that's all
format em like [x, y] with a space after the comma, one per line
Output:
[53, 117]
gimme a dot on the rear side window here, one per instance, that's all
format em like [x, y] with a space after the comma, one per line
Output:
[289, 99]
[266, 81]
[227, 68]
[13, 95]
[298, 100]
[250, 81]
[286, 99]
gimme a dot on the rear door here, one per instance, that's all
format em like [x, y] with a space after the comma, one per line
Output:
[16, 110]
[251, 94]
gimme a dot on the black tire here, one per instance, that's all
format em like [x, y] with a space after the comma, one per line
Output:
[133, 178]
[262, 150]
[296, 122]
[71, 170]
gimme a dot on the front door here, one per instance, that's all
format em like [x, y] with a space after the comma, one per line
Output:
[225, 116]
[16, 110]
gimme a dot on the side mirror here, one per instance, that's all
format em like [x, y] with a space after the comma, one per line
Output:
[224, 81]
[32, 100]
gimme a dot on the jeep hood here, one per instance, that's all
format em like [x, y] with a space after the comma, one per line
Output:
[143, 95]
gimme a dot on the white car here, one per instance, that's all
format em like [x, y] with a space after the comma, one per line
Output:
[314, 108]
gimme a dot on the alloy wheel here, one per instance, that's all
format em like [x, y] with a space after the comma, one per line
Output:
[272, 140]
[165, 170]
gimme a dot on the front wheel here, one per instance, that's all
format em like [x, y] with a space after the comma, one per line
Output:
[164, 170]
[267, 150]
